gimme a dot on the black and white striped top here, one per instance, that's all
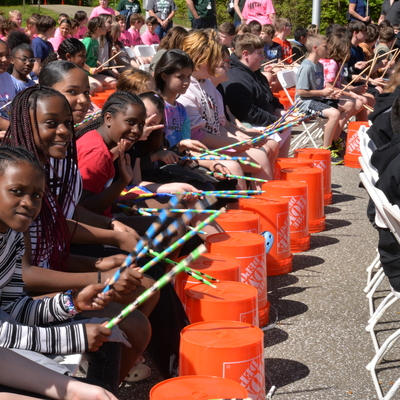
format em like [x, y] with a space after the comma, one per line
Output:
[30, 330]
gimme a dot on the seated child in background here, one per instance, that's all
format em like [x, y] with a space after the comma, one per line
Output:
[226, 32]
[255, 27]
[22, 61]
[283, 28]
[242, 28]
[16, 17]
[74, 28]
[6, 27]
[30, 29]
[299, 44]
[82, 18]
[64, 31]
[137, 21]
[125, 36]
[386, 39]
[368, 45]
[310, 88]
[272, 50]
[150, 37]
[42, 48]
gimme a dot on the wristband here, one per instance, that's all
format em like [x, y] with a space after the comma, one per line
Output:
[69, 303]
[110, 224]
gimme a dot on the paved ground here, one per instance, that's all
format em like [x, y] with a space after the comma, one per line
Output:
[67, 9]
[319, 348]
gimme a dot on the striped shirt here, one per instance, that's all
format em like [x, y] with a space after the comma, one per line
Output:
[30, 330]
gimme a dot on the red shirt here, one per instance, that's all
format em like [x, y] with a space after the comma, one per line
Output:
[286, 49]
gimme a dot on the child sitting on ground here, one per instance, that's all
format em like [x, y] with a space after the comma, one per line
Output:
[310, 88]
[283, 28]
[82, 18]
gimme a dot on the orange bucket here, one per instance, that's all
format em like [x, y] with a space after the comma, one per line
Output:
[231, 301]
[353, 144]
[249, 249]
[322, 160]
[274, 214]
[290, 162]
[229, 349]
[197, 387]
[296, 194]
[314, 178]
[239, 221]
[223, 268]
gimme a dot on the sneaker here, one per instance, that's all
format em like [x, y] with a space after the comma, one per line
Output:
[340, 146]
[139, 372]
[335, 157]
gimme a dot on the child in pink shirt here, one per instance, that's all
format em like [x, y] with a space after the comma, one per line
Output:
[102, 9]
[82, 18]
[125, 36]
[150, 37]
[137, 21]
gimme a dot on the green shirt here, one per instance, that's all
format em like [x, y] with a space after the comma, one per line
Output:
[92, 51]
[202, 9]
[132, 6]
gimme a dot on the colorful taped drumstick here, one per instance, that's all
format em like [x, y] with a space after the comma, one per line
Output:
[220, 192]
[199, 278]
[215, 158]
[244, 162]
[179, 242]
[88, 118]
[168, 261]
[5, 105]
[140, 246]
[177, 210]
[157, 286]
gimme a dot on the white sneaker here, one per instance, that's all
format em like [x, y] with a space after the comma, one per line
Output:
[139, 372]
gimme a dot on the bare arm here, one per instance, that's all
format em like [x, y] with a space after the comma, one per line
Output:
[352, 11]
[381, 18]
[19, 372]
[238, 12]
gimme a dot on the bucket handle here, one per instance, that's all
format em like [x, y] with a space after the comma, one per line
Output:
[269, 240]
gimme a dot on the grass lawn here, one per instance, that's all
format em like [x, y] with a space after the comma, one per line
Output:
[29, 10]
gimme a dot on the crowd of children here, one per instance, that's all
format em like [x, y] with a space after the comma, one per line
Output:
[64, 162]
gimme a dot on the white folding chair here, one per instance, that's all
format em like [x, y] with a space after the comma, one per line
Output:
[367, 147]
[130, 52]
[155, 47]
[71, 361]
[145, 67]
[143, 50]
[287, 79]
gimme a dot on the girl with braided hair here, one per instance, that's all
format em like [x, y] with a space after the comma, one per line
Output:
[42, 122]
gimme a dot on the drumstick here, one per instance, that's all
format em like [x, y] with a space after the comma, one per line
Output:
[268, 62]
[104, 63]
[340, 70]
[117, 66]
[387, 66]
[349, 84]
[372, 66]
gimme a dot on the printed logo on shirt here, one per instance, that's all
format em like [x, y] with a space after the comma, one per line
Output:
[134, 8]
[163, 7]
[319, 80]
[254, 5]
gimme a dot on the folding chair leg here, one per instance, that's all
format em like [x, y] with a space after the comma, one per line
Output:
[372, 282]
[392, 390]
[370, 269]
[370, 294]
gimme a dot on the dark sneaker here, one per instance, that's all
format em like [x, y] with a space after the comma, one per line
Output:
[335, 157]
[340, 146]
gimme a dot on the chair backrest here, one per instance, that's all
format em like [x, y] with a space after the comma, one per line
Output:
[155, 47]
[367, 170]
[392, 213]
[130, 52]
[142, 50]
[287, 79]
[367, 147]
[379, 198]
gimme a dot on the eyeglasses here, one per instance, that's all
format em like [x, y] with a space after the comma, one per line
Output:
[26, 60]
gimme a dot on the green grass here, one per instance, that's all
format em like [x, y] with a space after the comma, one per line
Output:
[29, 10]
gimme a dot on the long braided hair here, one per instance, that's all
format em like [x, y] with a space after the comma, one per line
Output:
[116, 103]
[52, 235]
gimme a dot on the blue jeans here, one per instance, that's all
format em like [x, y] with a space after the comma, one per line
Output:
[161, 32]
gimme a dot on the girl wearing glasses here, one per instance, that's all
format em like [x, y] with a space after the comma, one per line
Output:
[22, 60]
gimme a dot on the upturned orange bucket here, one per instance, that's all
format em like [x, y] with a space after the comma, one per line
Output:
[314, 178]
[221, 267]
[249, 249]
[297, 194]
[239, 221]
[231, 301]
[197, 387]
[353, 144]
[274, 215]
[229, 349]
[322, 160]
[290, 162]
